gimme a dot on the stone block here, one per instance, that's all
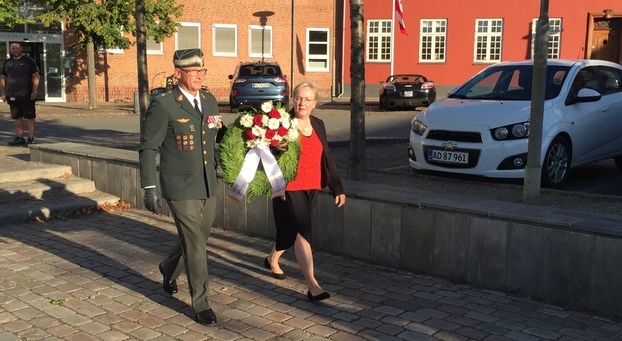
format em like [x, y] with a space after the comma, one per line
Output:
[526, 260]
[356, 234]
[417, 239]
[487, 252]
[328, 225]
[569, 263]
[605, 293]
[385, 233]
[451, 245]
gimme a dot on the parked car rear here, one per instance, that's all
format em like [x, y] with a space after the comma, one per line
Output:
[253, 83]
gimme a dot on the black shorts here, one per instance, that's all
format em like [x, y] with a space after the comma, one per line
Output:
[24, 108]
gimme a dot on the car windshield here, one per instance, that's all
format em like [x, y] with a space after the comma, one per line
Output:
[510, 82]
[260, 70]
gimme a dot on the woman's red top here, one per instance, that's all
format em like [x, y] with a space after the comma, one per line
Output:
[309, 173]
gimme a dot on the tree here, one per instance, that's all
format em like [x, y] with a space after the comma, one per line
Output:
[106, 24]
[356, 162]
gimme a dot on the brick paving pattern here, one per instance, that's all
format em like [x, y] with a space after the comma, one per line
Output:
[95, 277]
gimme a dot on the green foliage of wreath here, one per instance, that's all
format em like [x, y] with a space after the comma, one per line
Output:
[233, 151]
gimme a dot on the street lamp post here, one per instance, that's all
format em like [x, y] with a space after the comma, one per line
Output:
[263, 20]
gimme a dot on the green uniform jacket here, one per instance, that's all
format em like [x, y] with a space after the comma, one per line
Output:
[177, 132]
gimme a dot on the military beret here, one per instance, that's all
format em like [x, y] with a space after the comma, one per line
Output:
[188, 57]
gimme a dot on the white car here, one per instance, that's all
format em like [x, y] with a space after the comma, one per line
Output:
[482, 127]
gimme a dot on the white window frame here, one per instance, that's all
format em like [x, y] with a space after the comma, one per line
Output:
[197, 43]
[310, 66]
[432, 40]
[158, 51]
[379, 33]
[112, 50]
[215, 32]
[267, 48]
[555, 38]
[489, 38]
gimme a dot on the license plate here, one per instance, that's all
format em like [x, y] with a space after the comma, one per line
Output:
[408, 93]
[448, 156]
[260, 85]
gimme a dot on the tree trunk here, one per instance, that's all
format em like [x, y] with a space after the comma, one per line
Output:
[141, 60]
[90, 65]
[357, 169]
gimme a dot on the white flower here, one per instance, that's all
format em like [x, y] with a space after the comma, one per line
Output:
[292, 134]
[273, 123]
[264, 120]
[246, 120]
[285, 122]
[266, 106]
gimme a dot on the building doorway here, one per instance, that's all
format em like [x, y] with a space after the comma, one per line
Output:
[606, 39]
[48, 57]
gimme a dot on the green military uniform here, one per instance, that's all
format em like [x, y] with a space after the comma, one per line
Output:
[174, 130]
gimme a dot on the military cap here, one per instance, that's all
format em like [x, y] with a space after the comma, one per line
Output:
[188, 57]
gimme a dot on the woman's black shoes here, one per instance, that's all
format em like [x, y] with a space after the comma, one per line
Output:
[266, 263]
[319, 297]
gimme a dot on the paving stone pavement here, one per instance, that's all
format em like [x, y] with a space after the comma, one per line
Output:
[95, 277]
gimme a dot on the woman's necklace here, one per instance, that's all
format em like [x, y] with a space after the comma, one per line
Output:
[306, 130]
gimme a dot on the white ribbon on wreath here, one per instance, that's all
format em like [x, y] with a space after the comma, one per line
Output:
[260, 153]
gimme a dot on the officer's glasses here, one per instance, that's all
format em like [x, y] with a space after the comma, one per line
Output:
[194, 73]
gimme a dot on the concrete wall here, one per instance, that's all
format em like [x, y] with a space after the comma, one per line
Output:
[563, 257]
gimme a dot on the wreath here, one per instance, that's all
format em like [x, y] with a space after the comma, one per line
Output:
[267, 127]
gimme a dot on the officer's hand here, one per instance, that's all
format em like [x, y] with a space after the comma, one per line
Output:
[153, 200]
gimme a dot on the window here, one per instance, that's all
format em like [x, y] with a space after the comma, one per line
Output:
[432, 46]
[488, 40]
[111, 50]
[317, 49]
[612, 79]
[154, 47]
[188, 36]
[555, 35]
[260, 41]
[379, 40]
[224, 41]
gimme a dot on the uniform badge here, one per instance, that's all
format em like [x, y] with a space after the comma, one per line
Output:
[180, 98]
[191, 127]
[183, 120]
[214, 121]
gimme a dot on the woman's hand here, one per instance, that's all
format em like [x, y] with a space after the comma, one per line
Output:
[340, 200]
[282, 146]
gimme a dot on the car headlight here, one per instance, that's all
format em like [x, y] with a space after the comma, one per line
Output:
[418, 127]
[511, 132]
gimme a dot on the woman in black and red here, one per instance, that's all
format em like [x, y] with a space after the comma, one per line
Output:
[316, 170]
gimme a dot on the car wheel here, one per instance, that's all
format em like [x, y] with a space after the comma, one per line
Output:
[234, 108]
[556, 163]
[618, 161]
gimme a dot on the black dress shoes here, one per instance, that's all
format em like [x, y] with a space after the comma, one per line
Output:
[206, 317]
[169, 285]
[319, 297]
[266, 263]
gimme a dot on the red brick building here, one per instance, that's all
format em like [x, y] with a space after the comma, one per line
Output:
[298, 34]
[450, 40]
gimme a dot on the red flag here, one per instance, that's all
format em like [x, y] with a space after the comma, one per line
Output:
[400, 16]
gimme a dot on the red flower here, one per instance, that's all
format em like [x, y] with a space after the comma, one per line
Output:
[270, 133]
[258, 119]
[249, 135]
[282, 131]
[274, 114]
[274, 143]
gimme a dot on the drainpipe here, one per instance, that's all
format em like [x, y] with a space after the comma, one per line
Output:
[293, 44]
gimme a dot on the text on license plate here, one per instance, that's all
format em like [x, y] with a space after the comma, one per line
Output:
[261, 85]
[448, 156]
[408, 93]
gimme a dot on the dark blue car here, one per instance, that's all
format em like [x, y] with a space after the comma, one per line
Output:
[256, 82]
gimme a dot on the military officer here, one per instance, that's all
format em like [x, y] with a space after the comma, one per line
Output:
[182, 126]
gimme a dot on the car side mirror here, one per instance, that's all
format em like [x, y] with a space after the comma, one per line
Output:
[584, 95]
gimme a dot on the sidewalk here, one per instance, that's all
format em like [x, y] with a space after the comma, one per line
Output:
[95, 277]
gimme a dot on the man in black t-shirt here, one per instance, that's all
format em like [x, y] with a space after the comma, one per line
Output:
[19, 80]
